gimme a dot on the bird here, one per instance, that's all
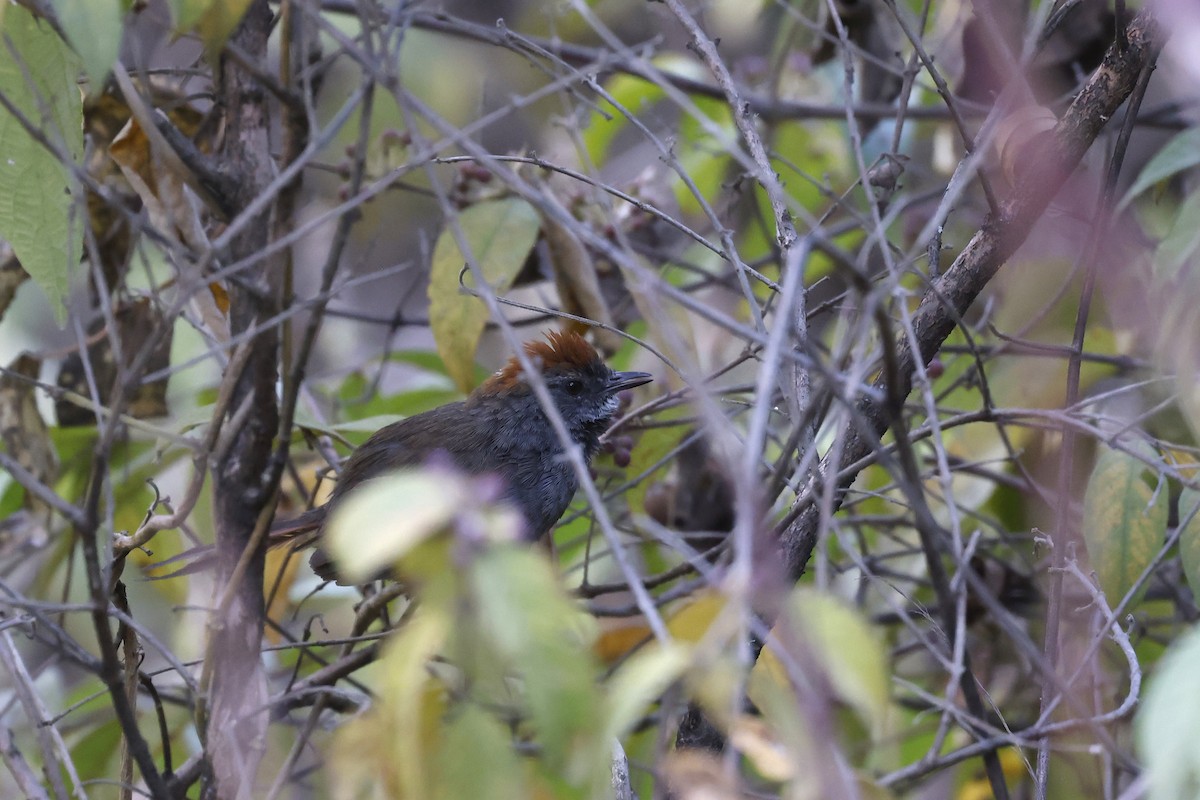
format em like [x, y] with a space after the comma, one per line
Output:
[499, 429]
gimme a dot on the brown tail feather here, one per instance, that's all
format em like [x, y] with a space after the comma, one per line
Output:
[199, 559]
[299, 532]
[305, 531]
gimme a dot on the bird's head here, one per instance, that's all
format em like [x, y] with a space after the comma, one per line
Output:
[583, 387]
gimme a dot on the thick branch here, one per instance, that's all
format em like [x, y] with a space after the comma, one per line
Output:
[233, 675]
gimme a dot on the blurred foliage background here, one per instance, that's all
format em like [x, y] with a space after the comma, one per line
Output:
[909, 510]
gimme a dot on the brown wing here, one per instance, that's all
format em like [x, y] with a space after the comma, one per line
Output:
[408, 442]
[411, 442]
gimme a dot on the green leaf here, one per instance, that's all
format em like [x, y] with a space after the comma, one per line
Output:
[96, 751]
[653, 445]
[495, 773]
[367, 424]
[214, 20]
[1123, 523]
[1182, 152]
[533, 624]
[1183, 240]
[1168, 725]
[187, 12]
[853, 653]
[94, 29]
[35, 189]
[359, 399]
[425, 360]
[1189, 538]
[704, 154]
[632, 94]
[808, 155]
[500, 235]
[307, 421]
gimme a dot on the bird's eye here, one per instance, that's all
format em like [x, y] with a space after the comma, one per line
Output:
[574, 387]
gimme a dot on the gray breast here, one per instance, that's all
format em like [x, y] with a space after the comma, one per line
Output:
[542, 490]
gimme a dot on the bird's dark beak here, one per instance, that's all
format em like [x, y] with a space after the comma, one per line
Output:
[620, 381]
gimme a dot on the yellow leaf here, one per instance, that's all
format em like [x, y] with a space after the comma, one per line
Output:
[213, 20]
[219, 22]
[639, 682]
[1123, 523]
[387, 752]
[220, 296]
[698, 775]
[756, 740]
[617, 641]
[409, 717]
[1189, 537]
[500, 234]
[850, 652]
[691, 623]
